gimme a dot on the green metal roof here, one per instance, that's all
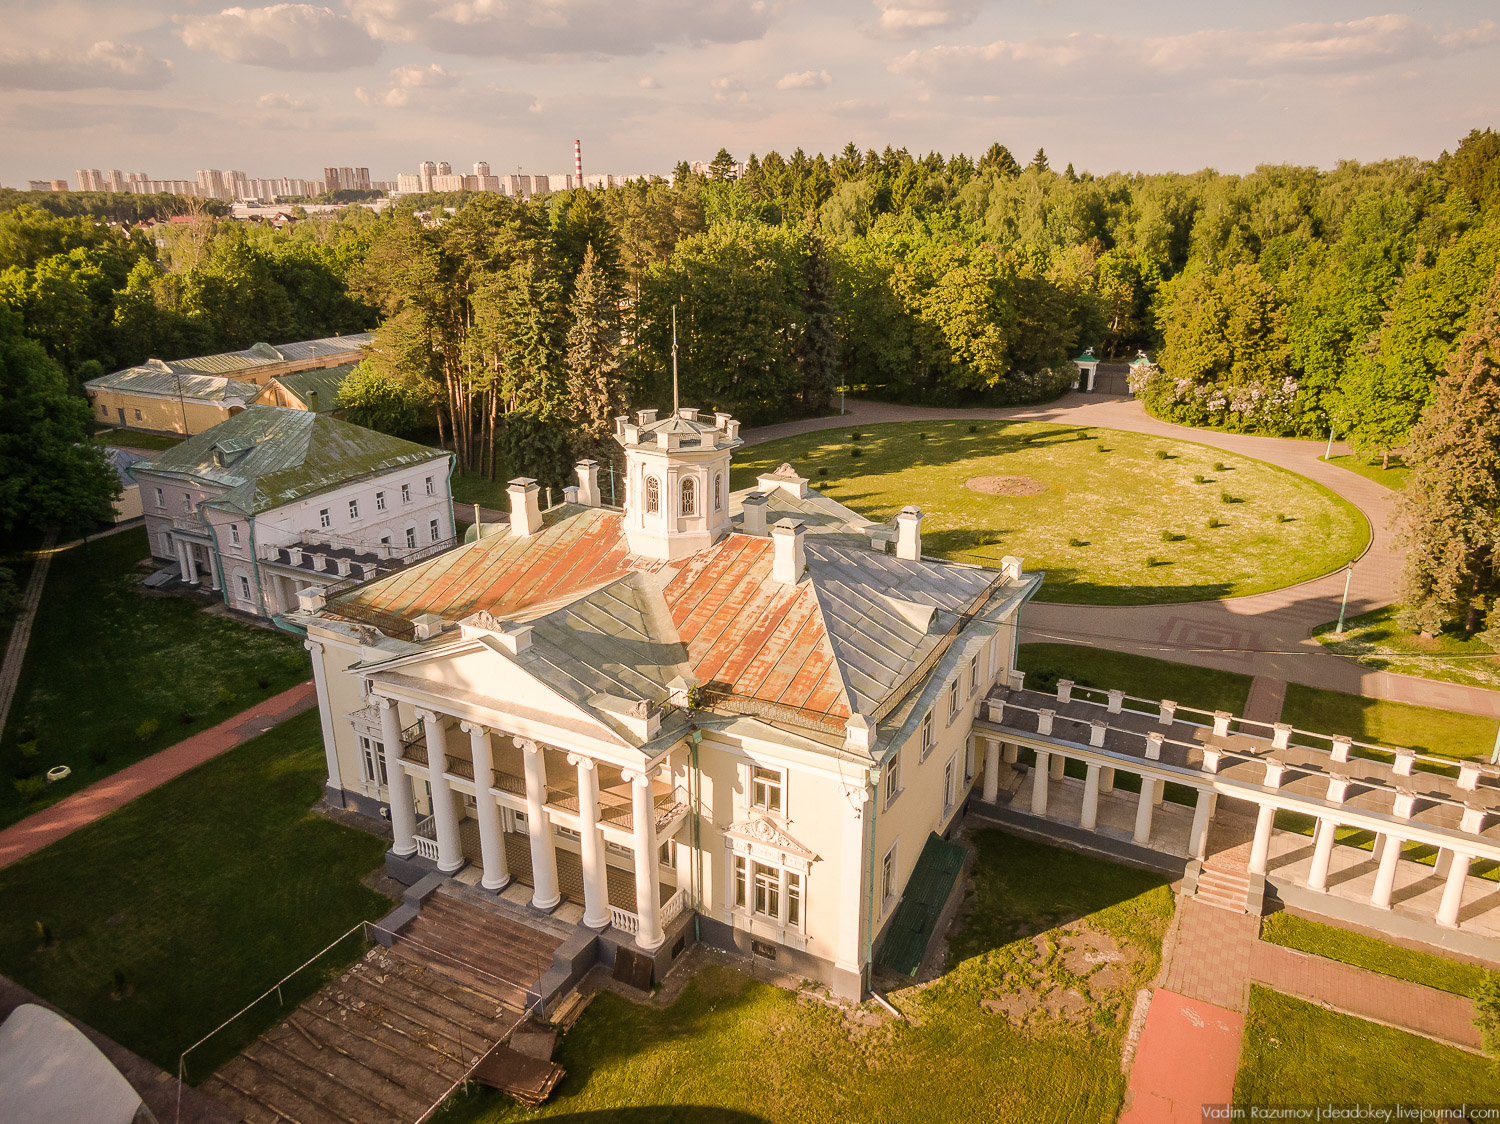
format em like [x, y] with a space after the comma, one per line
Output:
[1086, 357]
[160, 379]
[268, 456]
[926, 892]
[325, 384]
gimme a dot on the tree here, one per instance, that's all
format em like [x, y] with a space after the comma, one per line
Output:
[997, 159]
[722, 166]
[1448, 515]
[1038, 162]
[817, 349]
[51, 474]
[385, 402]
[592, 361]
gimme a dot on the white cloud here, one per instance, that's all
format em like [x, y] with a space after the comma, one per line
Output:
[105, 65]
[649, 83]
[286, 102]
[408, 82]
[905, 19]
[534, 29]
[282, 37]
[806, 80]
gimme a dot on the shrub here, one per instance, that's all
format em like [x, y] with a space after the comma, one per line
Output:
[973, 429]
[1280, 518]
[1152, 561]
[1171, 536]
[1487, 1013]
[1075, 542]
[186, 717]
[823, 471]
[99, 754]
[921, 437]
[44, 934]
[1101, 448]
[262, 682]
[1225, 497]
[227, 697]
[1161, 454]
[856, 452]
[1198, 479]
[29, 750]
[1214, 521]
[147, 729]
[1220, 466]
[29, 788]
[855, 436]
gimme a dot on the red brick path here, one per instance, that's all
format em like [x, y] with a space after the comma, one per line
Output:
[1357, 991]
[1211, 957]
[1187, 1058]
[102, 797]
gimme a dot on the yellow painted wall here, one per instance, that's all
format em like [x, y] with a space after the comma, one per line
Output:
[160, 415]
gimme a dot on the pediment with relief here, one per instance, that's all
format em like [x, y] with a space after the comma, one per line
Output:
[767, 833]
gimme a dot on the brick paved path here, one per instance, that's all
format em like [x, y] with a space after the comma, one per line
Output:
[1211, 954]
[1187, 1058]
[104, 796]
[1369, 995]
[20, 634]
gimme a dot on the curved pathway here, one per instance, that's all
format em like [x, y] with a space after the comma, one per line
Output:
[1265, 634]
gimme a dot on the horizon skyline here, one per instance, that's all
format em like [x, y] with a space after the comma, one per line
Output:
[161, 84]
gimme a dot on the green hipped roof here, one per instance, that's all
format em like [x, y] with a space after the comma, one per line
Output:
[326, 383]
[272, 455]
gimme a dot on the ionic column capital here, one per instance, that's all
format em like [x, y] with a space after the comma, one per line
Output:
[383, 703]
[636, 777]
[313, 646]
[583, 761]
[472, 728]
[528, 746]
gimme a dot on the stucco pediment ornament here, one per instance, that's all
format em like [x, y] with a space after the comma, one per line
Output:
[767, 833]
[485, 619]
[785, 470]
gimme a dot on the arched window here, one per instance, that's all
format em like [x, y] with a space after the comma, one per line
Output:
[653, 494]
[718, 491]
[689, 496]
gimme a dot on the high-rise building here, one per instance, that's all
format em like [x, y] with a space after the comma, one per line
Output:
[90, 179]
[347, 179]
[481, 169]
[115, 181]
[425, 171]
[444, 168]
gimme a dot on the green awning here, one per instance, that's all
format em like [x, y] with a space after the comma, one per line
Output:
[917, 914]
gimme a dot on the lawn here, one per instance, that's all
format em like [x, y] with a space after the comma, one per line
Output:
[1372, 953]
[130, 439]
[1120, 518]
[732, 1049]
[1443, 733]
[476, 488]
[1297, 1053]
[202, 893]
[1376, 641]
[1143, 676]
[1369, 467]
[105, 658]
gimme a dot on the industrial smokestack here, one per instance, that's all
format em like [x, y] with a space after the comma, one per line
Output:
[577, 163]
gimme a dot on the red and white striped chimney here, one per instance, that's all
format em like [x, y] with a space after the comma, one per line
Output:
[578, 163]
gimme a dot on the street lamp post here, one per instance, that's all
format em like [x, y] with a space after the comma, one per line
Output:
[1348, 576]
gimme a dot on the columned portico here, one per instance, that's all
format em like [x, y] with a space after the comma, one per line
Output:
[591, 843]
[1143, 810]
[1260, 849]
[1453, 890]
[444, 813]
[1317, 876]
[491, 841]
[1039, 775]
[398, 783]
[545, 894]
[991, 771]
[325, 721]
[647, 891]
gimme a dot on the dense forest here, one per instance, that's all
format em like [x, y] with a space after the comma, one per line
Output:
[1290, 300]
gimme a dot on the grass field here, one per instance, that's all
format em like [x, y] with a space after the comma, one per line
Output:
[201, 893]
[1115, 524]
[731, 1049]
[1369, 467]
[1298, 1053]
[1143, 676]
[105, 657]
[1443, 733]
[1376, 641]
[129, 439]
[1372, 953]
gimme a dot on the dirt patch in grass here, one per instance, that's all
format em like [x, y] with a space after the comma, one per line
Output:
[1005, 485]
[1074, 976]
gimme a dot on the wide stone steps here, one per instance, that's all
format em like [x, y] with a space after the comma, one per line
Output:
[478, 948]
[1227, 889]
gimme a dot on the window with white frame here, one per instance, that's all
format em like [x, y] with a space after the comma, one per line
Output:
[354, 509]
[653, 494]
[187, 502]
[929, 739]
[379, 501]
[234, 534]
[432, 529]
[161, 498]
[372, 760]
[244, 588]
[406, 493]
[767, 789]
[324, 519]
[718, 491]
[768, 892]
[952, 700]
[430, 490]
[666, 854]
[950, 785]
[689, 496]
[888, 878]
[892, 778]
[137, 415]
[103, 410]
[411, 538]
[973, 675]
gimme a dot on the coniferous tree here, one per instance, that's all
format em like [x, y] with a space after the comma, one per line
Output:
[593, 357]
[818, 347]
[1039, 161]
[1448, 515]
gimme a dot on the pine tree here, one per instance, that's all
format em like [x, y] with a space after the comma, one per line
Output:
[1039, 161]
[818, 348]
[593, 357]
[1448, 515]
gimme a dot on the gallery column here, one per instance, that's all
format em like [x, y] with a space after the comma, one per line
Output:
[544, 891]
[444, 814]
[647, 891]
[591, 843]
[398, 783]
[491, 837]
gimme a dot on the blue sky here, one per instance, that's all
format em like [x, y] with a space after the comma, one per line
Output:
[170, 86]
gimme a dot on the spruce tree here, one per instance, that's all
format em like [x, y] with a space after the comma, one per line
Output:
[593, 357]
[1448, 515]
[818, 347]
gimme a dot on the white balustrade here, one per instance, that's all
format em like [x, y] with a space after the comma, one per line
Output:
[624, 920]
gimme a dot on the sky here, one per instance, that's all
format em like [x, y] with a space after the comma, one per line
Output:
[167, 87]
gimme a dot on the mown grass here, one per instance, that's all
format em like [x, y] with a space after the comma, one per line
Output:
[1297, 1053]
[1369, 467]
[1371, 952]
[1098, 529]
[1376, 641]
[1443, 733]
[201, 893]
[731, 1049]
[105, 657]
[130, 439]
[1142, 676]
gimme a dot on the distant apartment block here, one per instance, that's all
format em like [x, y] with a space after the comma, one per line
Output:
[346, 179]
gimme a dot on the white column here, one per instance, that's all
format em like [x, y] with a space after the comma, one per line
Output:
[491, 836]
[1010, 752]
[215, 580]
[1055, 766]
[1260, 850]
[852, 882]
[1090, 813]
[647, 892]
[1106, 779]
[189, 563]
[325, 717]
[1385, 876]
[398, 783]
[544, 891]
[1039, 783]
[991, 771]
[1143, 809]
[1203, 812]
[1453, 891]
[444, 813]
[591, 841]
[1317, 877]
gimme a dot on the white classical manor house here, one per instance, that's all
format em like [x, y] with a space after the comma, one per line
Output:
[737, 715]
[275, 500]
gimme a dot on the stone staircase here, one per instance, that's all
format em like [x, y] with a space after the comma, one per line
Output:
[390, 1037]
[1224, 887]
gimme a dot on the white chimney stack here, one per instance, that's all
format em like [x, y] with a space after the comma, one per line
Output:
[525, 506]
[588, 482]
[753, 513]
[909, 534]
[791, 557]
